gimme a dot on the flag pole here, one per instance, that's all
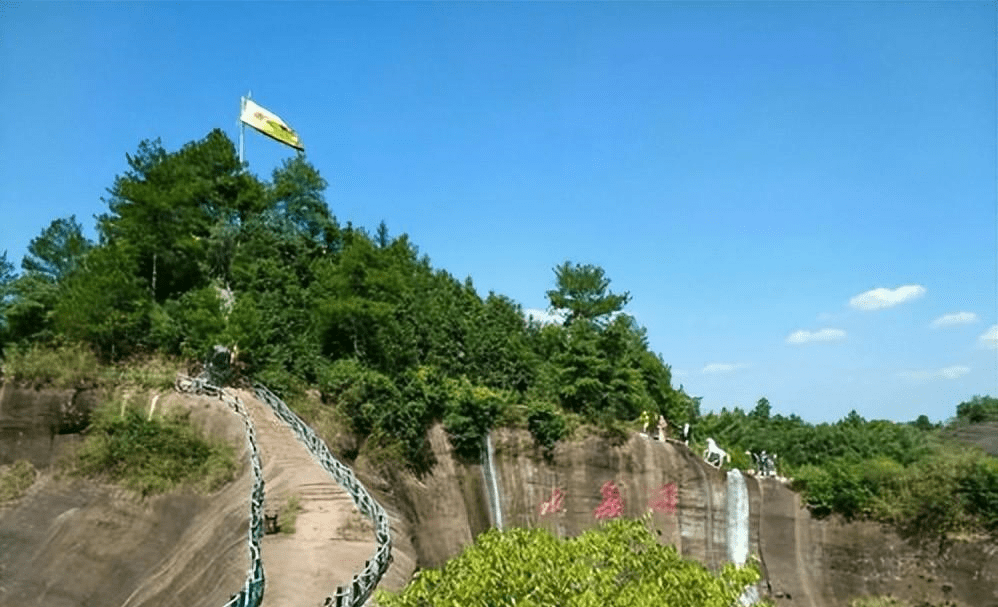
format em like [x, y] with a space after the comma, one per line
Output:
[242, 128]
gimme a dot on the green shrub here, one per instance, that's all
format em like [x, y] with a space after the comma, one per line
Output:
[619, 563]
[471, 413]
[977, 410]
[980, 486]
[15, 479]
[546, 424]
[152, 455]
[837, 486]
[362, 393]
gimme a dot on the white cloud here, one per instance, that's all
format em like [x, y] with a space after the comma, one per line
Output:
[989, 339]
[953, 372]
[803, 337]
[877, 299]
[959, 318]
[714, 368]
[544, 317]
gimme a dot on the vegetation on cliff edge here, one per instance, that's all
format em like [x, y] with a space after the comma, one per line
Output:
[618, 563]
[152, 454]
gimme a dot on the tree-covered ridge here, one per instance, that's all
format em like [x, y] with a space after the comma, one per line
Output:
[194, 250]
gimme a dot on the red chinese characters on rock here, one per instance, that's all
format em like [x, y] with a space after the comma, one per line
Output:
[555, 504]
[667, 500]
[612, 505]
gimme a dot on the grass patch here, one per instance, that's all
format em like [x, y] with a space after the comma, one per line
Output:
[73, 365]
[288, 515]
[62, 366]
[154, 455]
[155, 372]
[15, 479]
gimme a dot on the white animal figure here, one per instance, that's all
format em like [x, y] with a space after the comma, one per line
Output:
[714, 452]
[686, 434]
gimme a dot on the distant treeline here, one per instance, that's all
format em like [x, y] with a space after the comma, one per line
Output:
[905, 474]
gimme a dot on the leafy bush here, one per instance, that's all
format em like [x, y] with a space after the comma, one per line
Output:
[546, 424]
[980, 486]
[836, 486]
[152, 455]
[190, 325]
[15, 479]
[362, 393]
[619, 563]
[978, 409]
[471, 412]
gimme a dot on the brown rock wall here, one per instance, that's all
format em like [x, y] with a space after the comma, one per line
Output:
[73, 543]
[34, 424]
[805, 562]
[69, 543]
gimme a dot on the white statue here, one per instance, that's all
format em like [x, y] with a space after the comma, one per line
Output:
[714, 452]
[768, 464]
[765, 463]
[686, 434]
[663, 428]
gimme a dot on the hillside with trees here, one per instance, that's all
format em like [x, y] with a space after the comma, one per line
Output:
[194, 250]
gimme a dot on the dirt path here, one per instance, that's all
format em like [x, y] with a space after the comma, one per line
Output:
[332, 540]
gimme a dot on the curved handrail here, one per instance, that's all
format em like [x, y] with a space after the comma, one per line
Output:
[363, 583]
[252, 592]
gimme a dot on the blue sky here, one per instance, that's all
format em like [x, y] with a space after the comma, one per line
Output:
[800, 197]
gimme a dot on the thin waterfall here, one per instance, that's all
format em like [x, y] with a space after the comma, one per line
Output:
[492, 482]
[738, 514]
[738, 529]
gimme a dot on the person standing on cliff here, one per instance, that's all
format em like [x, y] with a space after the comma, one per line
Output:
[646, 420]
[663, 428]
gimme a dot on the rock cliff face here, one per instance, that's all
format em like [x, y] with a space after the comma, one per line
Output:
[805, 562]
[69, 543]
[34, 424]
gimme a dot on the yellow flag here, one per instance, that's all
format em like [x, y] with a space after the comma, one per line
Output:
[269, 124]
